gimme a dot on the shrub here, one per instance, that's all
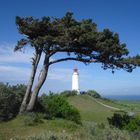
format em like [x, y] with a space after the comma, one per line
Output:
[125, 122]
[70, 113]
[134, 124]
[68, 93]
[93, 93]
[56, 106]
[10, 100]
[118, 120]
[83, 92]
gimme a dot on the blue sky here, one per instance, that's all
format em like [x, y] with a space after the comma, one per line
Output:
[121, 16]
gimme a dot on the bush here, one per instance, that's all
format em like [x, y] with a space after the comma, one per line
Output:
[68, 93]
[134, 124]
[125, 122]
[93, 93]
[71, 113]
[10, 100]
[118, 120]
[56, 106]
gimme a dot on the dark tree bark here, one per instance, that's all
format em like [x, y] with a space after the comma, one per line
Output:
[38, 85]
[25, 101]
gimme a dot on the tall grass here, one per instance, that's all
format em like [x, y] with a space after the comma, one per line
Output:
[89, 131]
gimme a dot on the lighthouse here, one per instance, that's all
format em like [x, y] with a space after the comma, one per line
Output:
[75, 81]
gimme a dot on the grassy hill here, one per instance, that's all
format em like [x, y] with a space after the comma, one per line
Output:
[91, 110]
[92, 114]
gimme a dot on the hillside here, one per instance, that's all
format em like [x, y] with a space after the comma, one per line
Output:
[90, 110]
[92, 114]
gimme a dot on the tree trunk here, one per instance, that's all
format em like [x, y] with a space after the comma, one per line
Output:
[41, 81]
[30, 83]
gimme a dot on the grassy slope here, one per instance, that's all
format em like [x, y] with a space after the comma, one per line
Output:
[89, 110]
[92, 111]
[16, 128]
[113, 104]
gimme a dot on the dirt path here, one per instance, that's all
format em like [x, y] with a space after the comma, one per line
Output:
[110, 107]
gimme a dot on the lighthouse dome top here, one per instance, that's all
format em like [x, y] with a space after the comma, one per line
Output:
[75, 69]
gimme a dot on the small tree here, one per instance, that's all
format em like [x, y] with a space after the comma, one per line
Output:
[79, 40]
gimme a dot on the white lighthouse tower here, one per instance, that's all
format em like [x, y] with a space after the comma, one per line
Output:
[75, 81]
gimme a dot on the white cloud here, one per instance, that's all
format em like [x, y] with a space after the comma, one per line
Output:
[61, 74]
[10, 72]
[13, 74]
[7, 54]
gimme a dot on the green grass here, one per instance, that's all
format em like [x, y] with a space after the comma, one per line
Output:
[91, 112]
[16, 128]
[131, 105]
[89, 109]
[113, 103]
[59, 130]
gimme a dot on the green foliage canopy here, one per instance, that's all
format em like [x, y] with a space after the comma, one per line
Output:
[80, 40]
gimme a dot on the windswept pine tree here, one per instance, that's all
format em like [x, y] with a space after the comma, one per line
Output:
[79, 40]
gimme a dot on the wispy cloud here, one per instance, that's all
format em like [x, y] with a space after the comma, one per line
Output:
[7, 54]
[13, 74]
[61, 74]
[12, 64]
[11, 71]
[20, 74]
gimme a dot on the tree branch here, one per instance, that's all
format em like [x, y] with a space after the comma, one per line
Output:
[72, 58]
[66, 49]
